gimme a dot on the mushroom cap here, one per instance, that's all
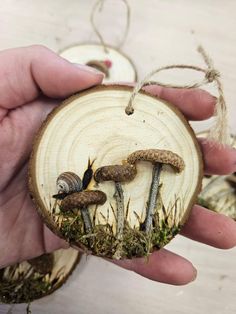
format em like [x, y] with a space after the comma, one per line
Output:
[83, 199]
[158, 156]
[43, 264]
[117, 173]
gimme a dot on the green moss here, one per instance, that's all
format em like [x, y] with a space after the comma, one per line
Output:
[23, 290]
[135, 243]
[72, 227]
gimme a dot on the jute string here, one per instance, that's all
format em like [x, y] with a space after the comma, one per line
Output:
[98, 6]
[220, 130]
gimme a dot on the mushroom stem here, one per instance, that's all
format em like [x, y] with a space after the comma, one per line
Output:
[152, 199]
[86, 219]
[119, 196]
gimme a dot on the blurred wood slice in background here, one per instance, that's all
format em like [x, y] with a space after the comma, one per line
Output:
[115, 65]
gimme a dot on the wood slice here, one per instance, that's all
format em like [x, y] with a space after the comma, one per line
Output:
[93, 125]
[116, 66]
[219, 192]
[30, 280]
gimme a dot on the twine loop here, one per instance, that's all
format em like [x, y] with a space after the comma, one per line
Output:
[98, 6]
[220, 130]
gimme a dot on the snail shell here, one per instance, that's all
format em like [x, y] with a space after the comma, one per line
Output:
[69, 182]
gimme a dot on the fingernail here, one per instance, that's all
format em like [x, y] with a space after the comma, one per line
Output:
[87, 68]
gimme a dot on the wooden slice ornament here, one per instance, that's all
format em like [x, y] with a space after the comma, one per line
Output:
[115, 65]
[140, 173]
[33, 279]
[219, 192]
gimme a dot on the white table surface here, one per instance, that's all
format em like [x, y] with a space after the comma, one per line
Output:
[162, 32]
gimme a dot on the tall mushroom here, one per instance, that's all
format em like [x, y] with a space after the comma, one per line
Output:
[81, 201]
[157, 157]
[118, 174]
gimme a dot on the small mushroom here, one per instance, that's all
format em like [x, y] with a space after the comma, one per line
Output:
[101, 65]
[157, 157]
[118, 174]
[42, 264]
[81, 200]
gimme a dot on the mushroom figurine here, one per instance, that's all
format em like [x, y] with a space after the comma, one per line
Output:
[81, 201]
[118, 174]
[101, 65]
[157, 157]
[43, 264]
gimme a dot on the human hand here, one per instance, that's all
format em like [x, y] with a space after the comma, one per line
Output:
[32, 80]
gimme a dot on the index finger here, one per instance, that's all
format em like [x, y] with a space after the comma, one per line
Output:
[27, 72]
[195, 104]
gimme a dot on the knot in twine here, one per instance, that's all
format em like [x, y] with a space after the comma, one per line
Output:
[99, 6]
[211, 75]
[220, 130]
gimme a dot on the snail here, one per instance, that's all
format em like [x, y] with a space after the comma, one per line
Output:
[81, 201]
[88, 174]
[69, 182]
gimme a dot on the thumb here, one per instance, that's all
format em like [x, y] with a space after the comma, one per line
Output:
[27, 72]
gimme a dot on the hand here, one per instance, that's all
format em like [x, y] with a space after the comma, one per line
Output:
[32, 79]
